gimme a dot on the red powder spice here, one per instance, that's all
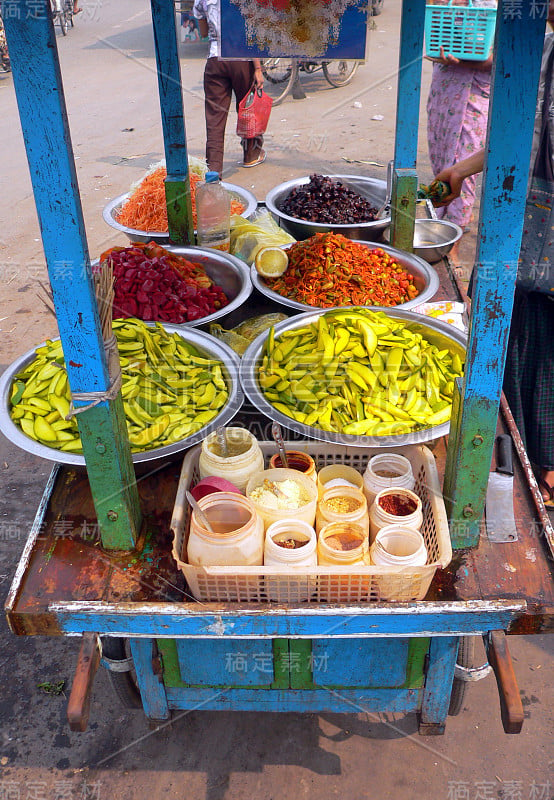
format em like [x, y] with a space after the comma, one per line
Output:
[398, 504]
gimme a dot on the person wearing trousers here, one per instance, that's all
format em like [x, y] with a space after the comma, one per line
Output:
[221, 79]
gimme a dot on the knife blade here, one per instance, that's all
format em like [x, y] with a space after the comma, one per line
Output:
[499, 505]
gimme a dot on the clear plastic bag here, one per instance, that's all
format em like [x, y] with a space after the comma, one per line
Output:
[248, 236]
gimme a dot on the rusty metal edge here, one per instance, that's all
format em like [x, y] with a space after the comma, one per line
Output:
[529, 474]
[29, 545]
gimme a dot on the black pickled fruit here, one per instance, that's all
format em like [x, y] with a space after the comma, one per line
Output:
[327, 201]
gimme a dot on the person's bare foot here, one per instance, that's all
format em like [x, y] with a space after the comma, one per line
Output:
[546, 483]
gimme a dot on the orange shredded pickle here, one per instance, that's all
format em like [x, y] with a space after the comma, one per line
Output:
[146, 210]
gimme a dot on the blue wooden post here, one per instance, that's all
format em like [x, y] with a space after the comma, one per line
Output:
[404, 184]
[514, 92]
[438, 684]
[36, 74]
[177, 185]
[152, 689]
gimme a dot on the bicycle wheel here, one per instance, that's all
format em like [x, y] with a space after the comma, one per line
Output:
[279, 74]
[339, 73]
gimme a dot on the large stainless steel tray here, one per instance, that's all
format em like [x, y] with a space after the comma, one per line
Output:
[425, 278]
[374, 189]
[439, 333]
[206, 343]
[112, 209]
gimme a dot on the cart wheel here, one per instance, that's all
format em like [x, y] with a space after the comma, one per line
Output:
[124, 683]
[466, 654]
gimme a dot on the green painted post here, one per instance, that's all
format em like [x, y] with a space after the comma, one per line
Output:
[179, 210]
[403, 205]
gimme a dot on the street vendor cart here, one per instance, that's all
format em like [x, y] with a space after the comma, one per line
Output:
[121, 590]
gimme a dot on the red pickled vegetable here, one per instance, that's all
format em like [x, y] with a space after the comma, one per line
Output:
[153, 284]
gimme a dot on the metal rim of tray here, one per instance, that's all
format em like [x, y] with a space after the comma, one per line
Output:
[253, 354]
[159, 236]
[411, 261]
[287, 186]
[211, 346]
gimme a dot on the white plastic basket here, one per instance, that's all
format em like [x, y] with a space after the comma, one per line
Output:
[321, 584]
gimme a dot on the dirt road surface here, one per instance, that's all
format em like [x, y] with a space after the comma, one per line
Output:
[111, 93]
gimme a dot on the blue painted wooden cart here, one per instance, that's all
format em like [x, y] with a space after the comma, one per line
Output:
[186, 655]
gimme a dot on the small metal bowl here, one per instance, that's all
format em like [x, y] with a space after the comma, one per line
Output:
[112, 209]
[435, 238]
[426, 279]
[373, 189]
[439, 333]
[204, 342]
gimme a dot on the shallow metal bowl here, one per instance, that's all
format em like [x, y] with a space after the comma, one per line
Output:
[439, 333]
[112, 209]
[207, 344]
[373, 189]
[426, 279]
[435, 238]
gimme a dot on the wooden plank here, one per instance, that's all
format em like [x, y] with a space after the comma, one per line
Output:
[46, 132]
[301, 700]
[189, 620]
[514, 85]
[438, 684]
[409, 83]
[511, 707]
[403, 204]
[78, 707]
[152, 691]
[177, 187]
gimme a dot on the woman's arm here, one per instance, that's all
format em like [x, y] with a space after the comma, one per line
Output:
[258, 74]
[457, 173]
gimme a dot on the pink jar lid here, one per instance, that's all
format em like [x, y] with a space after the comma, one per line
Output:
[213, 484]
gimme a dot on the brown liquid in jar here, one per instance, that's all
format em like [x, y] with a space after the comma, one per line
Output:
[386, 473]
[294, 462]
[343, 541]
[236, 449]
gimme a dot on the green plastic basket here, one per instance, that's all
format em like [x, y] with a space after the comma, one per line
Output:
[463, 31]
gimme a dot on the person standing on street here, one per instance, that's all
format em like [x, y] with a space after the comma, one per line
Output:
[221, 78]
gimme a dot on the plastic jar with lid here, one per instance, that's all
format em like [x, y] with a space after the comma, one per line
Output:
[237, 538]
[290, 543]
[394, 506]
[296, 459]
[385, 470]
[338, 475]
[298, 503]
[342, 504]
[244, 460]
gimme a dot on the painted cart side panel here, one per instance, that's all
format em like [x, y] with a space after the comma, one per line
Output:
[364, 662]
[152, 690]
[177, 187]
[301, 700]
[515, 80]
[225, 662]
[419, 619]
[29, 29]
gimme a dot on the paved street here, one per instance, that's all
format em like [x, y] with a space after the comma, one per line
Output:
[110, 85]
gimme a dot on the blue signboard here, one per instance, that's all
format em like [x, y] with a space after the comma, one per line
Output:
[304, 29]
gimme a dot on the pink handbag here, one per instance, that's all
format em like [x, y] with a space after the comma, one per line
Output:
[253, 113]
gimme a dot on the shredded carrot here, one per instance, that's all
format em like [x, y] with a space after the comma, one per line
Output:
[146, 210]
[330, 270]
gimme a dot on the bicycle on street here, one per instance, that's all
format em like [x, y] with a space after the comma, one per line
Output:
[62, 14]
[281, 74]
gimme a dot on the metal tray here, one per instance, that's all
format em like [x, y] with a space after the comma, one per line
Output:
[111, 210]
[440, 333]
[425, 278]
[206, 343]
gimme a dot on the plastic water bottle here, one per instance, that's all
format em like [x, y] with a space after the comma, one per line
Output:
[213, 213]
